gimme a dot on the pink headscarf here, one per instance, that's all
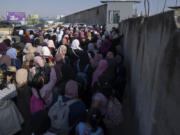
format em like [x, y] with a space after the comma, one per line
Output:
[67, 32]
[39, 50]
[71, 89]
[82, 35]
[102, 66]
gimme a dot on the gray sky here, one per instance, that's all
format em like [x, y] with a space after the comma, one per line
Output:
[65, 7]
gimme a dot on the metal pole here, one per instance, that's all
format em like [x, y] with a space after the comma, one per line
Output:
[145, 7]
[164, 5]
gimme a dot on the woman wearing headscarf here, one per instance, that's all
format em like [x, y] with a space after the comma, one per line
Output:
[102, 66]
[109, 76]
[63, 51]
[10, 117]
[63, 69]
[51, 47]
[100, 101]
[14, 60]
[23, 98]
[75, 51]
[49, 79]
[59, 36]
[77, 108]
[83, 65]
[95, 60]
[45, 92]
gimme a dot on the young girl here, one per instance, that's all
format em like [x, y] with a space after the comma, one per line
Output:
[92, 125]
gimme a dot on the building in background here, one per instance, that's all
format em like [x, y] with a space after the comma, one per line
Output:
[35, 16]
[59, 17]
[110, 13]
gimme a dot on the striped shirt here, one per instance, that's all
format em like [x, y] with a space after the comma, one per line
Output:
[8, 92]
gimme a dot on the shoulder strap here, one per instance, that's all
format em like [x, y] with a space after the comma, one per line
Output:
[86, 68]
[77, 65]
[75, 53]
[70, 102]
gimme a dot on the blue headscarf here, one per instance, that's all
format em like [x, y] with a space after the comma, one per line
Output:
[12, 53]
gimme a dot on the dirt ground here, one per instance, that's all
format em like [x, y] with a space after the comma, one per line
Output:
[4, 32]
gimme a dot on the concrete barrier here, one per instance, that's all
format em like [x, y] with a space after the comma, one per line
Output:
[152, 56]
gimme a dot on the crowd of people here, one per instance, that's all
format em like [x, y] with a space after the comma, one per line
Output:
[67, 81]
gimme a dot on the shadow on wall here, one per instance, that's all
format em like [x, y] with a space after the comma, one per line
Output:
[152, 56]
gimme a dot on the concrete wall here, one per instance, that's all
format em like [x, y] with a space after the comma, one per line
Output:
[152, 56]
[96, 15]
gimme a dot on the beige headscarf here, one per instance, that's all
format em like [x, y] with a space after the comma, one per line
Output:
[62, 50]
[21, 77]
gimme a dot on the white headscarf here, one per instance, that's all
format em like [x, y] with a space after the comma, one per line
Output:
[46, 51]
[75, 45]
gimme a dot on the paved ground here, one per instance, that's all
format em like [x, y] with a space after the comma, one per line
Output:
[4, 32]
